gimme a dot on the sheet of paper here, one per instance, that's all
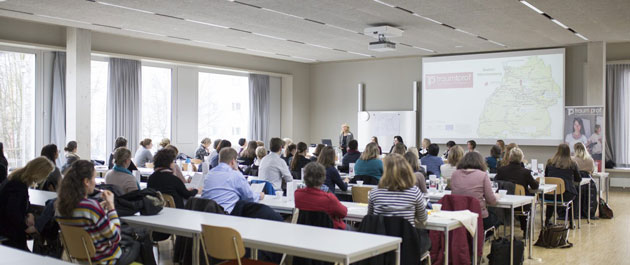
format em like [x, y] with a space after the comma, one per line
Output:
[257, 187]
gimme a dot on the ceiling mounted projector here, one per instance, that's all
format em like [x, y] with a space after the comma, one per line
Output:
[382, 33]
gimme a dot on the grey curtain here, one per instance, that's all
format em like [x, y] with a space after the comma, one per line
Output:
[259, 98]
[123, 102]
[618, 113]
[58, 109]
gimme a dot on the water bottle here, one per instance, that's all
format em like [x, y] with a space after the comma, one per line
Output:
[188, 165]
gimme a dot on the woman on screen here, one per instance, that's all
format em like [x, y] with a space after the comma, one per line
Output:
[578, 134]
[345, 137]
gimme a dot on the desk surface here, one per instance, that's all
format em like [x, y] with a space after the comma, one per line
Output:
[39, 197]
[507, 201]
[14, 256]
[298, 240]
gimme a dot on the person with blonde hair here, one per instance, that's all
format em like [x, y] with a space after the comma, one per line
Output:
[421, 175]
[369, 163]
[16, 221]
[506, 157]
[399, 148]
[345, 137]
[202, 150]
[583, 159]
[165, 142]
[425, 148]
[454, 155]
[119, 175]
[562, 166]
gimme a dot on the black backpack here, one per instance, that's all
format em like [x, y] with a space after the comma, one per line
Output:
[500, 252]
[147, 201]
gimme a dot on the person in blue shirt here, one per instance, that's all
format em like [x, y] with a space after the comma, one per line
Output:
[226, 185]
[432, 161]
[214, 161]
[369, 163]
[493, 160]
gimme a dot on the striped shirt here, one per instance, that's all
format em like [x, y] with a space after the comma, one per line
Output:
[104, 228]
[408, 204]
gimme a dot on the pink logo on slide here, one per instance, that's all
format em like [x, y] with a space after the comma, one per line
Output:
[449, 80]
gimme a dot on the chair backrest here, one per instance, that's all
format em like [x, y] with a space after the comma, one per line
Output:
[519, 190]
[360, 194]
[78, 242]
[314, 218]
[170, 202]
[294, 218]
[367, 179]
[222, 242]
[559, 183]
[148, 165]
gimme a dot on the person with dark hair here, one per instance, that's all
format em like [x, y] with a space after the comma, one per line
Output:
[562, 166]
[120, 142]
[351, 156]
[318, 149]
[313, 198]
[289, 152]
[397, 140]
[71, 155]
[375, 140]
[226, 185]
[214, 161]
[214, 151]
[100, 221]
[432, 161]
[248, 155]
[299, 160]
[471, 145]
[493, 160]
[54, 178]
[501, 144]
[144, 155]
[449, 145]
[16, 221]
[421, 175]
[471, 179]
[242, 143]
[578, 134]
[119, 175]
[272, 167]
[327, 159]
[164, 180]
[202, 150]
[4, 164]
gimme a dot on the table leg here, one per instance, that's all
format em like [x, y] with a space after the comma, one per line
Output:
[446, 246]
[254, 254]
[542, 209]
[512, 239]
[579, 206]
[588, 218]
[532, 226]
[397, 256]
[475, 245]
[607, 182]
[195, 249]
[555, 206]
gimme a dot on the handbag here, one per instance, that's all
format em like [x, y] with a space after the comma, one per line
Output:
[604, 210]
[500, 252]
[554, 236]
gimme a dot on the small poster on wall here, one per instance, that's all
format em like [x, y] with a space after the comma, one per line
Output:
[585, 124]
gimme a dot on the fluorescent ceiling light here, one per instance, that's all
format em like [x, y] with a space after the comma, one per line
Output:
[427, 18]
[145, 32]
[497, 43]
[304, 58]
[386, 4]
[64, 19]
[206, 23]
[560, 23]
[362, 54]
[268, 36]
[211, 43]
[125, 7]
[318, 46]
[281, 13]
[465, 32]
[580, 35]
[532, 7]
[424, 49]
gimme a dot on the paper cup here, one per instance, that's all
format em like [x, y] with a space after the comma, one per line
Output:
[279, 194]
[503, 192]
[360, 182]
[436, 207]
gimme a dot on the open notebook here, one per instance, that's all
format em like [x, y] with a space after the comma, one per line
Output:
[196, 182]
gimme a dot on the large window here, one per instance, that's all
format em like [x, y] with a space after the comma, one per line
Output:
[156, 104]
[223, 106]
[99, 110]
[17, 106]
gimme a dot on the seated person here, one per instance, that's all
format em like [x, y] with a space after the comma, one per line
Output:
[176, 169]
[102, 223]
[369, 163]
[312, 198]
[351, 156]
[471, 179]
[513, 172]
[273, 168]
[15, 220]
[418, 171]
[454, 155]
[289, 152]
[249, 154]
[432, 160]
[119, 175]
[299, 161]
[226, 185]
[327, 159]
[120, 142]
[144, 155]
[214, 161]
[54, 178]
[71, 155]
[202, 150]
[493, 160]
[318, 149]
[164, 180]
[583, 159]
[562, 166]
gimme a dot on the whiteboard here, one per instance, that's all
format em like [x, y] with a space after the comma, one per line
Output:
[385, 125]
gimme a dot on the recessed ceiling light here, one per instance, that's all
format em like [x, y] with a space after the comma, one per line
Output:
[560, 23]
[557, 22]
[532, 7]
[580, 35]
[125, 7]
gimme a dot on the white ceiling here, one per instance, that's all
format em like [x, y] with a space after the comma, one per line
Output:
[280, 29]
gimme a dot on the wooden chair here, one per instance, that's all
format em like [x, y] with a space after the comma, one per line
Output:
[520, 191]
[148, 165]
[226, 244]
[169, 201]
[360, 194]
[560, 190]
[77, 243]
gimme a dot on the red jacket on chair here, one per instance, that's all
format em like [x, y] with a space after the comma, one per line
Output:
[460, 251]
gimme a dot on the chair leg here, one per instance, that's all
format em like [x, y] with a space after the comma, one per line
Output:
[205, 253]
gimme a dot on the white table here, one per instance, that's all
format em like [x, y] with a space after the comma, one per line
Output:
[39, 197]
[603, 177]
[318, 243]
[101, 169]
[356, 212]
[12, 256]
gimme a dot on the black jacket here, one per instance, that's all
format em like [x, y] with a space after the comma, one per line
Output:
[569, 175]
[513, 172]
[393, 226]
[167, 183]
[14, 205]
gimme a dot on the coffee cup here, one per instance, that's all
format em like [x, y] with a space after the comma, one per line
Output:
[436, 207]
[360, 182]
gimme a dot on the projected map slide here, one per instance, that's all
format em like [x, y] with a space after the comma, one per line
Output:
[515, 96]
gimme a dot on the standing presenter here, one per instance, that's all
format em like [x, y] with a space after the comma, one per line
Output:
[344, 138]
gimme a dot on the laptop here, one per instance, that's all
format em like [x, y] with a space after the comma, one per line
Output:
[327, 142]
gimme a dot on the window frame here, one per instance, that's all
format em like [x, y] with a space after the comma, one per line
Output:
[174, 88]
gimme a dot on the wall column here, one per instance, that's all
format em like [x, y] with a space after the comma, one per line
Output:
[78, 70]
